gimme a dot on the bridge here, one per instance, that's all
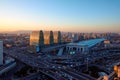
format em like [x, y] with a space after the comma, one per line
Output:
[78, 75]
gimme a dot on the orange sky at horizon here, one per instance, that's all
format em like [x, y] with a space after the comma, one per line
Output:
[66, 16]
[61, 28]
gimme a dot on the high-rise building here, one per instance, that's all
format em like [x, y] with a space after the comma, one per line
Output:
[38, 39]
[41, 38]
[34, 38]
[48, 38]
[57, 37]
[1, 52]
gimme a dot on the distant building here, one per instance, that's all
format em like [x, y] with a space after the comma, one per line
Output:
[106, 43]
[74, 37]
[1, 52]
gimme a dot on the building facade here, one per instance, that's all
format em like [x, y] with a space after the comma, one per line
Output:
[1, 52]
[57, 37]
[73, 47]
[48, 38]
[83, 46]
[39, 39]
[34, 38]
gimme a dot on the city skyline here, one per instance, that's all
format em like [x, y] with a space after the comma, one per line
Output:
[63, 15]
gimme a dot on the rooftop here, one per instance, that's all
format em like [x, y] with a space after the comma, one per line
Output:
[89, 43]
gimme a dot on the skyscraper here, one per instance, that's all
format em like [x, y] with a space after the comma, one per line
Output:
[39, 39]
[57, 37]
[34, 38]
[48, 38]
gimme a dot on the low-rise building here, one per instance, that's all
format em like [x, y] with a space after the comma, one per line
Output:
[82, 46]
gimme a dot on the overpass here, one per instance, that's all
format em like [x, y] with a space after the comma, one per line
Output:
[78, 75]
[38, 74]
[32, 61]
[51, 48]
[7, 67]
[82, 74]
[46, 67]
[37, 63]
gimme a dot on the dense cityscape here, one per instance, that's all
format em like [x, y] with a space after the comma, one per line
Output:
[59, 39]
[64, 56]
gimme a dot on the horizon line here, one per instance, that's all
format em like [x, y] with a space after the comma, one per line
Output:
[25, 31]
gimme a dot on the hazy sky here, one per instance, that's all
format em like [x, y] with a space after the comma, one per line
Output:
[64, 15]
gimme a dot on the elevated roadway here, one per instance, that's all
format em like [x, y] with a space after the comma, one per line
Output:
[48, 49]
[37, 75]
[78, 75]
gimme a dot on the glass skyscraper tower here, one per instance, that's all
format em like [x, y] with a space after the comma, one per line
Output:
[42, 38]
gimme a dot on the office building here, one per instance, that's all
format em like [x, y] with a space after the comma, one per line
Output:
[42, 38]
[48, 38]
[57, 37]
[37, 38]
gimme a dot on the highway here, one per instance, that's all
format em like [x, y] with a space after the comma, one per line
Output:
[7, 65]
[53, 74]
[81, 74]
[31, 76]
[30, 60]
[74, 75]
[12, 71]
[49, 73]
[38, 63]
